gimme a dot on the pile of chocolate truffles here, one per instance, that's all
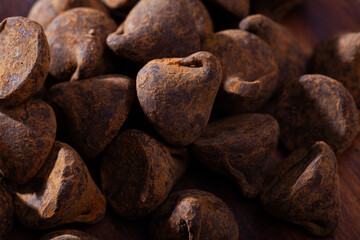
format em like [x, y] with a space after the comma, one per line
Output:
[140, 90]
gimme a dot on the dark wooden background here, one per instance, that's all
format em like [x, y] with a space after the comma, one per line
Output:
[311, 22]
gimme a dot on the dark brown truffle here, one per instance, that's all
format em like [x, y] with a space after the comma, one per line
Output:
[239, 147]
[250, 71]
[68, 235]
[290, 55]
[24, 60]
[193, 214]
[6, 212]
[138, 172]
[156, 29]
[317, 108]
[276, 9]
[77, 40]
[305, 190]
[93, 110]
[177, 95]
[239, 8]
[339, 57]
[44, 11]
[61, 192]
[27, 136]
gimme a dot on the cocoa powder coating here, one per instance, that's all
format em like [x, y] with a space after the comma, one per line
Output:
[317, 108]
[193, 214]
[156, 29]
[238, 147]
[305, 190]
[138, 172]
[200, 16]
[27, 135]
[93, 110]
[24, 60]
[77, 40]
[44, 11]
[339, 57]
[289, 54]
[61, 192]
[177, 95]
[250, 72]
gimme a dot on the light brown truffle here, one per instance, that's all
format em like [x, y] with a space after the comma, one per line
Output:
[156, 29]
[44, 11]
[177, 95]
[77, 40]
[61, 192]
[24, 60]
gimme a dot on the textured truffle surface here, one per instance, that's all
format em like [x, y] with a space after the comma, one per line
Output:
[177, 95]
[250, 72]
[193, 214]
[93, 110]
[317, 108]
[305, 189]
[61, 192]
[27, 135]
[24, 60]
[77, 40]
[138, 172]
[239, 147]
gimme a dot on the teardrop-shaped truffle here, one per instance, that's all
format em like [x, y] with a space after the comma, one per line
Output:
[317, 108]
[93, 110]
[138, 172]
[193, 214]
[239, 147]
[250, 72]
[61, 192]
[77, 40]
[177, 95]
[27, 134]
[44, 11]
[289, 54]
[156, 29]
[305, 190]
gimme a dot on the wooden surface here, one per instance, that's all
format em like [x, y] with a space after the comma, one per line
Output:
[312, 22]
